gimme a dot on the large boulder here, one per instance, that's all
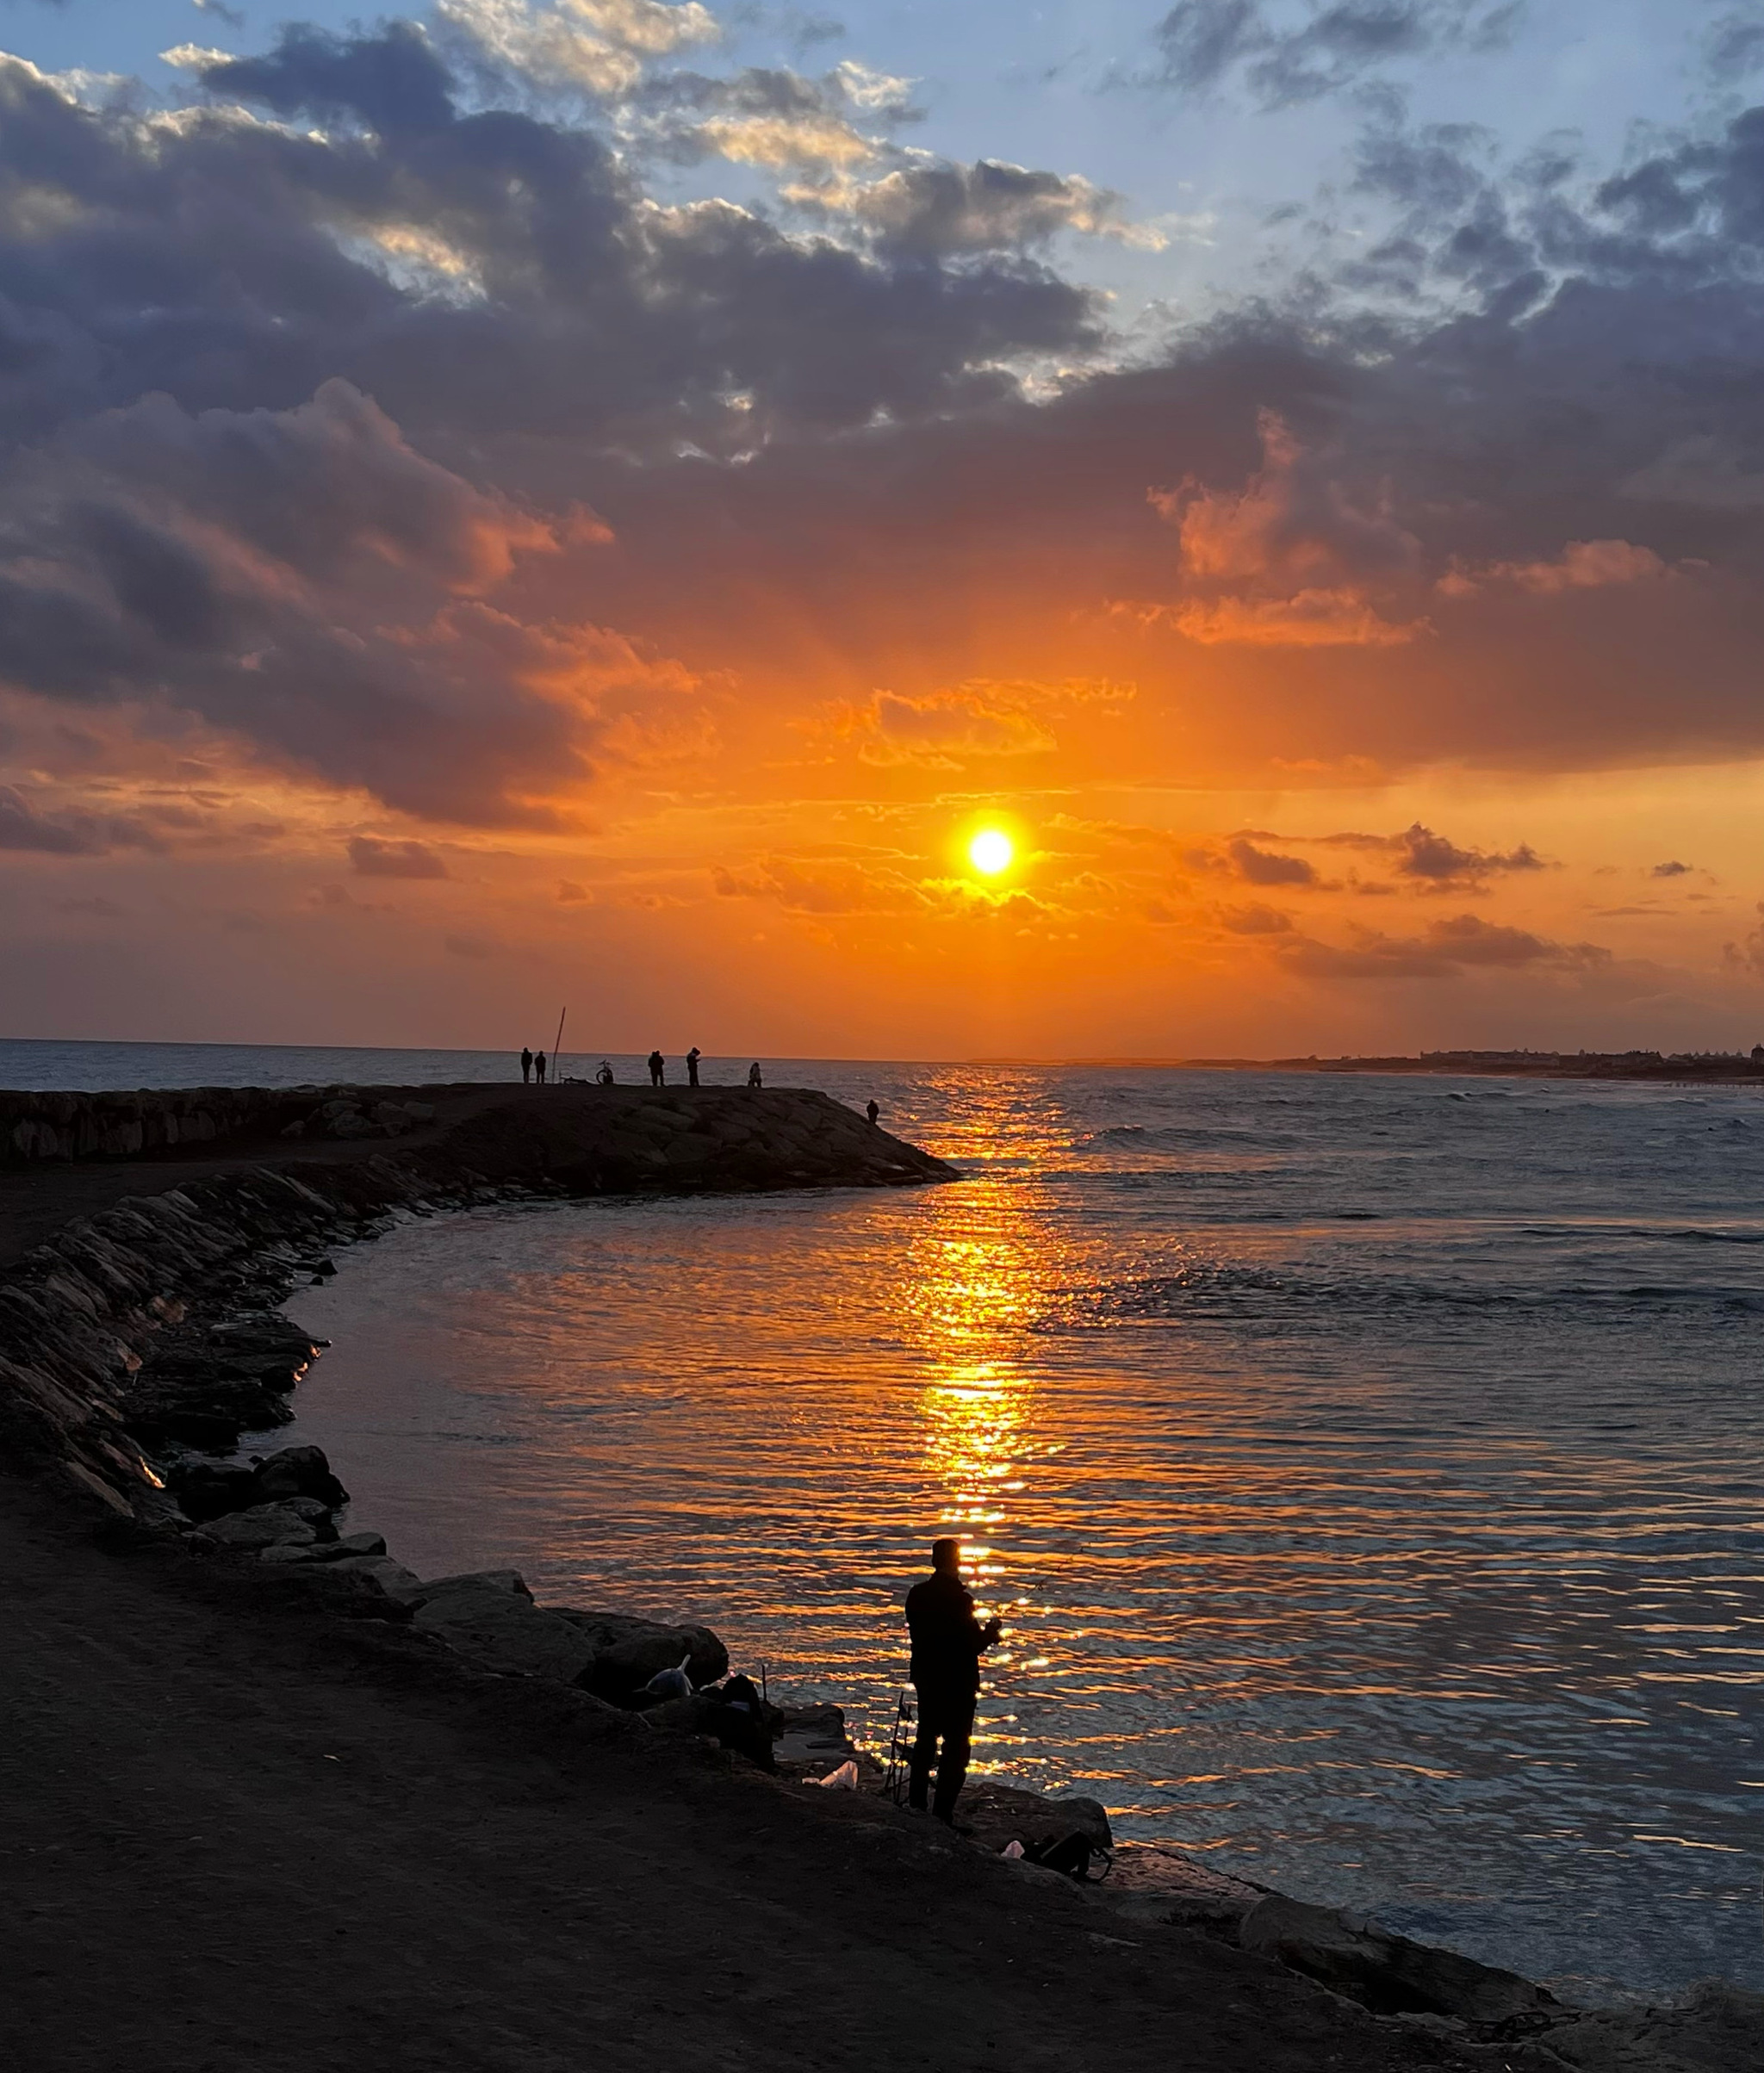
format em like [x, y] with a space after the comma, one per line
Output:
[509, 1582]
[1718, 2029]
[262, 1526]
[505, 1630]
[207, 1491]
[628, 1651]
[363, 1544]
[1388, 1973]
[299, 1472]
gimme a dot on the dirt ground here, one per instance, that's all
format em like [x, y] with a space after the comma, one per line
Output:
[238, 1836]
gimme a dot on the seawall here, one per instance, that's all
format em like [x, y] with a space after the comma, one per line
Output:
[149, 1319]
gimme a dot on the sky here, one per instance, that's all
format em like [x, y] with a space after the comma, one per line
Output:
[526, 502]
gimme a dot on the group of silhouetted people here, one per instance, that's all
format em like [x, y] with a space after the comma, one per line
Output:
[533, 1069]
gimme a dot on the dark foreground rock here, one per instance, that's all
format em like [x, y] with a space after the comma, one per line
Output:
[1391, 1974]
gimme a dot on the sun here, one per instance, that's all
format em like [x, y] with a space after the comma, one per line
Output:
[991, 851]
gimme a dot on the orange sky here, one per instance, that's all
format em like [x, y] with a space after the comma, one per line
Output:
[442, 578]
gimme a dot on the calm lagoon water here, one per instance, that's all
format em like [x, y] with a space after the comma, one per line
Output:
[1368, 1471]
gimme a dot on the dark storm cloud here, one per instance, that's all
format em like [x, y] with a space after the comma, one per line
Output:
[202, 506]
[1564, 474]
[243, 565]
[1203, 44]
[295, 388]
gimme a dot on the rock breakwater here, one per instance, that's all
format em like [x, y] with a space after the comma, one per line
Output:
[152, 1324]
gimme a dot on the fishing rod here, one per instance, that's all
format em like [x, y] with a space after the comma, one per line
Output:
[557, 1047]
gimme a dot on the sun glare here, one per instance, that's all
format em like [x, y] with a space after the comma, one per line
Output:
[990, 850]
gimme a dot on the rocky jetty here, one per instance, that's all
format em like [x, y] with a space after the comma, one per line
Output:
[153, 1323]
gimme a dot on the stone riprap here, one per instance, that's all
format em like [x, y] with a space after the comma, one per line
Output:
[37, 1126]
[152, 1325]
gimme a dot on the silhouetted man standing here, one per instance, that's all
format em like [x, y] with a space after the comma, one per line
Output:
[526, 1063]
[539, 1067]
[657, 1069]
[692, 1065]
[948, 1642]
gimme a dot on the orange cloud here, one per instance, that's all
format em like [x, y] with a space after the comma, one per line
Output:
[1582, 565]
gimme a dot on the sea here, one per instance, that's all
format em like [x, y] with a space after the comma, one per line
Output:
[1368, 1470]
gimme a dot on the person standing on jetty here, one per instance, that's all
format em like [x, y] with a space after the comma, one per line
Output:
[948, 1642]
[526, 1065]
[658, 1069]
[872, 1110]
[539, 1067]
[753, 1079]
[692, 1065]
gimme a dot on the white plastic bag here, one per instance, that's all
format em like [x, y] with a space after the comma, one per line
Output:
[1012, 1850]
[845, 1779]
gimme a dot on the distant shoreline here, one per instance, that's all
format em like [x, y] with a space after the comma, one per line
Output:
[1732, 1069]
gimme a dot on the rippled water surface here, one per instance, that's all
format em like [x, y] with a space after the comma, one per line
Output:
[1367, 1470]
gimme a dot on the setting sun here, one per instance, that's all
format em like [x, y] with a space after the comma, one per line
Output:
[991, 851]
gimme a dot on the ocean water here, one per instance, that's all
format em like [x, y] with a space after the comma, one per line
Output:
[1368, 1471]
[45, 1065]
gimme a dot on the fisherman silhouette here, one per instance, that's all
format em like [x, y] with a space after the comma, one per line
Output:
[873, 1111]
[692, 1065]
[526, 1065]
[948, 1642]
[753, 1079]
[658, 1069]
[539, 1067]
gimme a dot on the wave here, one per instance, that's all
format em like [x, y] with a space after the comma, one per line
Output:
[1264, 1295]
[1173, 1137]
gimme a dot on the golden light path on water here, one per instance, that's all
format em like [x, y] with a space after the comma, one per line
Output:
[1367, 1473]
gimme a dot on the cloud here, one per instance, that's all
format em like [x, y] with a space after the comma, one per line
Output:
[1671, 870]
[1445, 950]
[943, 729]
[1255, 919]
[286, 576]
[1310, 619]
[945, 209]
[819, 886]
[592, 46]
[76, 835]
[1582, 565]
[1266, 868]
[570, 894]
[1698, 471]
[232, 17]
[1298, 561]
[375, 857]
[1746, 957]
[1435, 863]
[1338, 44]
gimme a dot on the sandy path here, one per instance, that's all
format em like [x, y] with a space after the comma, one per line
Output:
[237, 1836]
